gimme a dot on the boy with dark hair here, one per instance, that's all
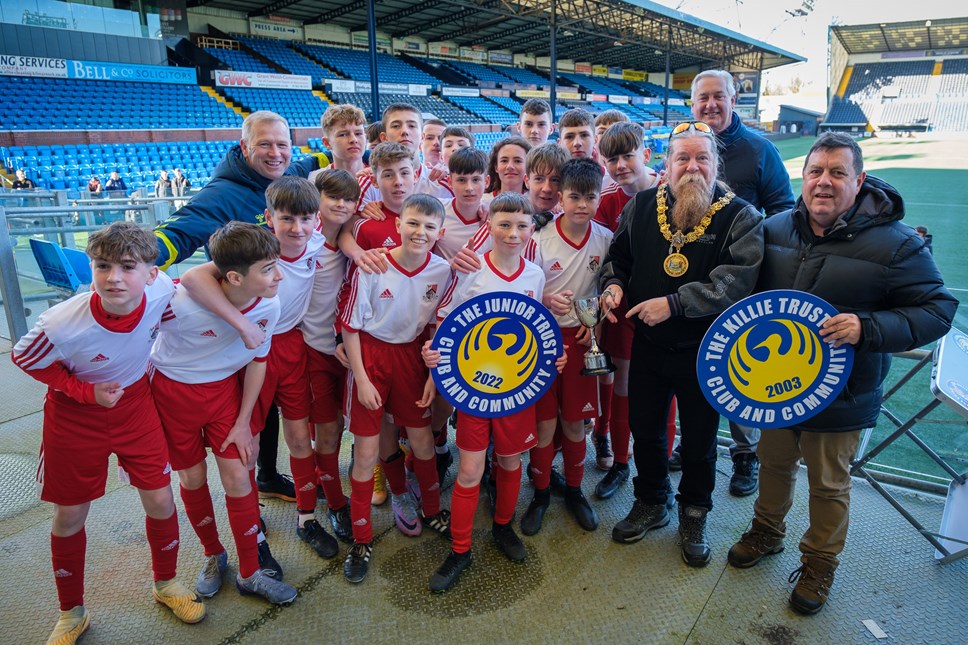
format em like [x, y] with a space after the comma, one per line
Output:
[292, 213]
[577, 136]
[543, 173]
[570, 251]
[453, 139]
[603, 121]
[430, 141]
[201, 363]
[338, 194]
[503, 269]
[373, 132]
[622, 148]
[92, 353]
[468, 168]
[383, 330]
[535, 122]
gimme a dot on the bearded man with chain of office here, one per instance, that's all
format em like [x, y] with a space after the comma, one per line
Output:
[685, 251]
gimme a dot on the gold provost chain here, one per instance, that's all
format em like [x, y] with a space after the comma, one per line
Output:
[676, 264]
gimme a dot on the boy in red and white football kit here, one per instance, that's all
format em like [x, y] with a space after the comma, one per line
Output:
[403, 124]
[344, 135]
[292, 214]
[603, 121]
[92, 352]
[462, 219]
[384, 327]
[570, 251]
[503, 269]
[623, 148]
[338, 194]
[210, 382]
[576, 129]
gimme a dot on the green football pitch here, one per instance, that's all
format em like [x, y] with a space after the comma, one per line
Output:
[932, 177]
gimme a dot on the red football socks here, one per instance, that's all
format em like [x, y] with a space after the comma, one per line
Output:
[67, 556]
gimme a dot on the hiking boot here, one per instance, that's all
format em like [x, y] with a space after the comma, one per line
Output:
[534, 516]
[261, 584]
[675, 460]
[278, 486]
[379, 487]
[617, 475]
[755, 544]
[814, 579]
[746, 469]
[444, 461]
[268, 563]
[70, 625]
[445, 576]
[405, 514]
[603, 452]
[580, 509]
[439, 522]
[508, 542]
[692, 536]
[185, 604]
[640, 520]
[341, 523]
[209, 580]
[313, 534]
[357, 562]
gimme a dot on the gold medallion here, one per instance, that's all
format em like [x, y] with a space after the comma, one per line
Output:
[675, 264]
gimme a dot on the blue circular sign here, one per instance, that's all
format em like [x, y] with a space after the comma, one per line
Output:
[498, 353]
[762, 363]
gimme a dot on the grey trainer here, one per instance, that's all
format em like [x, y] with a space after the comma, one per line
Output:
[209, 580]
[260, 584]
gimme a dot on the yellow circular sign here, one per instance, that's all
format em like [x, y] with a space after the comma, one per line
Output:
[778, 364]
[497, 355]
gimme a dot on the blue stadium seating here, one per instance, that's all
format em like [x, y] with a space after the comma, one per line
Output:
[239, 60]
[521, 75]
[31, 103]
[300, 107]
[280, 53]
[355, 64]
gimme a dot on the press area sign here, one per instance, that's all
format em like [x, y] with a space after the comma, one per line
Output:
[763, 363]
[498, 353]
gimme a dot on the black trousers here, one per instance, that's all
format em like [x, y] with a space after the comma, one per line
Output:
[269, 445]
[655, 375]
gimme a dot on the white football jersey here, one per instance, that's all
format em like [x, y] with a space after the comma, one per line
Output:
[317, 324]
[528, 280]
[571, 267]
[396, 306]
[459, 228]
[70, 333]
[196, 346]
[296, 286]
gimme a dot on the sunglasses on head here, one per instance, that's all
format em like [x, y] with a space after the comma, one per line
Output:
[694, 125]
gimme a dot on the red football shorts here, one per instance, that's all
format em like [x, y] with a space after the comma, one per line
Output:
[327, 382]
[196, 416]
[398, 373]
[286, 381]
[513, 434]
[576, 396]
[79, 437]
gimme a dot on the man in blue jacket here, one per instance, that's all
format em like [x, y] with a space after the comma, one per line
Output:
[237, 192]
[752, 168]
[843, 242]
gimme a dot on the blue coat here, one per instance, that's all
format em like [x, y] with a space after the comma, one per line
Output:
[236, 192]
[871, 265]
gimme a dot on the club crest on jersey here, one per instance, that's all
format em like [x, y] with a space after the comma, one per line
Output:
[431, 293]
[154, 333]
[263, 324]
[595, 263]
[310, 262]
[498, 353]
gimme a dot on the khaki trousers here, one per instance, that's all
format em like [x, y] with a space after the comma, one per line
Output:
[827, 456]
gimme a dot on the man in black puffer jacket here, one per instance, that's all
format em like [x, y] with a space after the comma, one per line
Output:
[843, 242]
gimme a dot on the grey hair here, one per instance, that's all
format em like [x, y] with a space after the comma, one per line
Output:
[722, 75]
[260, 116]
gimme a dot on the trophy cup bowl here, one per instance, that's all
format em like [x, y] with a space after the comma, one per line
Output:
[589, 313]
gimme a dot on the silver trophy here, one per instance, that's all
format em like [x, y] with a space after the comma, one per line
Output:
[590, 314]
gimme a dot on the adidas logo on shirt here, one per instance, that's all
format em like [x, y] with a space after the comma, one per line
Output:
[209, 334]
[530, 437]
[588, 408]
[557, 266]
[389, 243]
[386, 295]
[100, 358]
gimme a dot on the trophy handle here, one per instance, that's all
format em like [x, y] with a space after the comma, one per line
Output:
[608, 310]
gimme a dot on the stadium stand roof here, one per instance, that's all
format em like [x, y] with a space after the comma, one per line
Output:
[917, 35]
[634, 34]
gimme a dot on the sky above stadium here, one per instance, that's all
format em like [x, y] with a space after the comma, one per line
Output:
[769, 21]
